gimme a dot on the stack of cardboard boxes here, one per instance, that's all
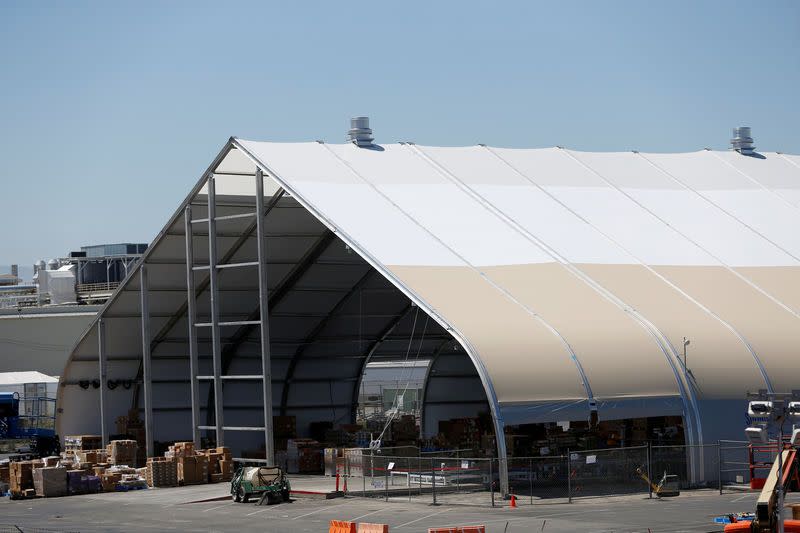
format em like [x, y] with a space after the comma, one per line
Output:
[191, 467]
[220, 464]
[162, 472]
[132, 426]
[21, 478]
[50, 481]
[122, 452]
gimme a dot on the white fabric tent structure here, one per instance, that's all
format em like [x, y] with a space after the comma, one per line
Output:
[565, 281]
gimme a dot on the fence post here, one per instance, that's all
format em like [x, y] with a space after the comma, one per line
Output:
[458, 472]
[649, 472]
[408, 476]
[530, 478]
[386, 479]
[433, 482]
[569, 477]
[363, 475]
[491, 480]
[346, 465]
[719, 466]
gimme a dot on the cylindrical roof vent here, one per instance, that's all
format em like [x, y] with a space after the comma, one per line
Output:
[360, 134]
[742, 142]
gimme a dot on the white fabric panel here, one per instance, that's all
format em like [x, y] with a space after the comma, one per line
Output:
[441, 207]
[528, 205]
[735, 194]
[604, 207]
[323, 181]
[774, 171]
[713, 230]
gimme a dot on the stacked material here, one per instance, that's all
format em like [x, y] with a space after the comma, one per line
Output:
[122, 452]
[76, 444]
[304, 456]
[192, 469]
[162, 472]
[132, 426]
[4, 473]
[220, 464]
[81, 482]
[50, 481]
[21, 478]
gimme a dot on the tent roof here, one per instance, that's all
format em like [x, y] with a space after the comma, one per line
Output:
[21, 378]
[567, 276]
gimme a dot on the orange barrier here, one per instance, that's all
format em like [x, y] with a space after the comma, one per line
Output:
[789, 526]
[473, 529]
[372, 528]
[341, 526]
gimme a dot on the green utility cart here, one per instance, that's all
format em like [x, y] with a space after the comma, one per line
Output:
[267, 482]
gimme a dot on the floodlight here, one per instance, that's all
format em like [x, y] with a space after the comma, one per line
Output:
[756, 435]
[793, 409]
[759, 408]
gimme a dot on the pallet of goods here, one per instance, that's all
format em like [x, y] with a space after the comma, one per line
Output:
[50, 481]
[161, 472]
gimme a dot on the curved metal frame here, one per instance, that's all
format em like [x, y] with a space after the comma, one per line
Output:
[494, 404]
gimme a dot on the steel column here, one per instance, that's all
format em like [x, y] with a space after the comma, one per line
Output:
[101, 357]
[216, 349]
[263, 304]
[147, 372]
[191, 307]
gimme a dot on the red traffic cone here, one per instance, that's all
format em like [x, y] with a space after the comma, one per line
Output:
[513, 502]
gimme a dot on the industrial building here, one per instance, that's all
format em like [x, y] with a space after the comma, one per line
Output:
[543, 285]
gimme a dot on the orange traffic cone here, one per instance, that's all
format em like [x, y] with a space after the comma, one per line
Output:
[513, 502]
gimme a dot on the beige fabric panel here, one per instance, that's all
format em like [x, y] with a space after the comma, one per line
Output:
[527, 361]
[773, 332]
[719, 361]
[782, 283]
[619, 356]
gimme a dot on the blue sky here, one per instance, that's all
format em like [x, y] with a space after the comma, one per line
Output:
[109, 111]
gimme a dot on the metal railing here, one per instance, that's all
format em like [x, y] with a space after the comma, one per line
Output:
[445, 478]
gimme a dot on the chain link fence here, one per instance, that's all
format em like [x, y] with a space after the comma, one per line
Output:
[454, 478]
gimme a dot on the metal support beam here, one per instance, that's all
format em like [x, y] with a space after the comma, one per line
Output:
[279, 293]
[315, 333]
[213, 277]
[203, 285]
[147, 373]
[191, 310]
[426, 381]
[101, 351]
[263, 305]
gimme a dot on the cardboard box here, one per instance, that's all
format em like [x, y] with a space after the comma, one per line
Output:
[122, 452]
[21, 476]
[161, 472]
[50, 481]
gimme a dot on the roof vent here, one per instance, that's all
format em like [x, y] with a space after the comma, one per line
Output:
[360, 134]
[742, 142]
